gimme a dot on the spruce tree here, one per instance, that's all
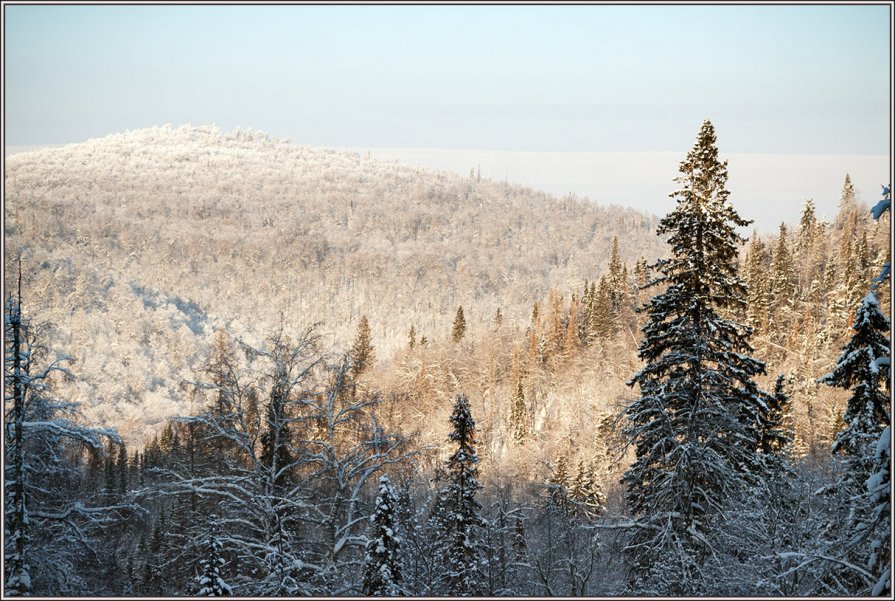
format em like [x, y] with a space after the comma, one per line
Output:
[586, 491]
[458, 330]
[121, 468]
[362, 352]
[602, 324]
[877, 528]
[618, 284]
[210, 582]
[461, 536]
[782, 286]
[382, 569]
[774, 417]
[559, 483]
[863, 368]
[694, 425]
[757, 279]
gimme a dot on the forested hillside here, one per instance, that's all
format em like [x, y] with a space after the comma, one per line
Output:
[139, 246]
[335, 376]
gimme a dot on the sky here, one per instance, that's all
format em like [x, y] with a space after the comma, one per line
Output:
[773, 78]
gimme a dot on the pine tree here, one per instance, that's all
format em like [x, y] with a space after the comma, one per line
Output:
[463, 555]
[382, 569]
[362, 352]
[694, 425]
[863, 367]
[210, 582]
[458, 330]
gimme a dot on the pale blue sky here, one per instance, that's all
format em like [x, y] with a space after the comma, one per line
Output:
[773, 79]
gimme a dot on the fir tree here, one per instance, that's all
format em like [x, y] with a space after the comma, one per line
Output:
[382, 569]
[694, 425]
[863, 367]
[121, 469]
[602, 323]
[411, 338]
[362, 352]
[618, 284]
[586, 491]
[458, 330]
[782, 285]
[210, 582]
[774, 417]
[559, 483]
[877, 529]
[757, 279]
[463, 511]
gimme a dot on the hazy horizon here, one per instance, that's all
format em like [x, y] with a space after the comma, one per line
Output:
[767, 188]
[598, 78]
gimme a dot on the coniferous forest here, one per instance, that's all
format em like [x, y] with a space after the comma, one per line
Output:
[234, 366]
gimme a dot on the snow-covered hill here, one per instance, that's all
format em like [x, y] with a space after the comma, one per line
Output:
[137, 246]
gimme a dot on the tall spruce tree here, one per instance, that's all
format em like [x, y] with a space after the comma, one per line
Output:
[382, 569]
[877, 529]
[694, 426]
[463, 520]
[863, 368]
[782, 287]
[618, 284]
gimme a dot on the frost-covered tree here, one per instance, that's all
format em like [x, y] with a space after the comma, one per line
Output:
[294, 518]
[863, 368]
[382, 568]
[774, 418]
[210, 582]
[618, 284]
[462, 521]
[757, 278]
[877, 528]
[781, 286]
[51, 525]
[694, 425]
[587, 492]
[254, 484]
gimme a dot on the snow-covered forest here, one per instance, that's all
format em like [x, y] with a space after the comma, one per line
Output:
[237, 366]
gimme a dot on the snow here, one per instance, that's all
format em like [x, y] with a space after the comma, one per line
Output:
[882, 445]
